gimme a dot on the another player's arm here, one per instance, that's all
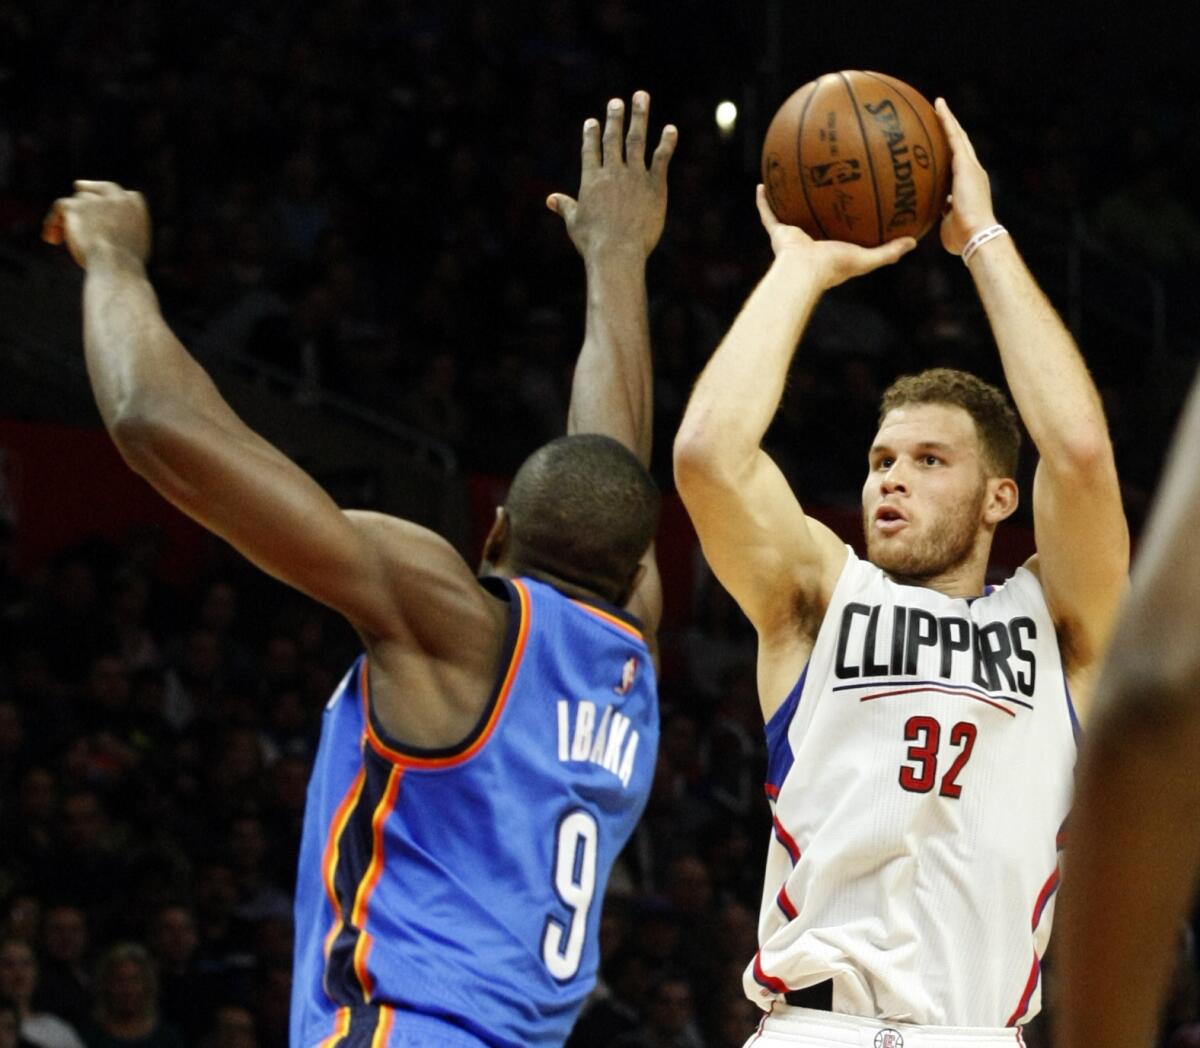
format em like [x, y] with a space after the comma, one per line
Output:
[760, 544]
[173, 427]
[1080, 528]
[1138, 792]
[615, 224]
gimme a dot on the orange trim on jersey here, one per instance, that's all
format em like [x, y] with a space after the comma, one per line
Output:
[383, 1029]
[329, 861]
[406, 760]
[362, 898]
[610, 618]
[341, 1027]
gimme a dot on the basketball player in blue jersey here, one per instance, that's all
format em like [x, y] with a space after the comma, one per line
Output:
[920, 726]
[481, 766]
[1135, 826]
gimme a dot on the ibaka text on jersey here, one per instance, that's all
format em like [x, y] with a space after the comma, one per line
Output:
[610, 743]
[877, 641]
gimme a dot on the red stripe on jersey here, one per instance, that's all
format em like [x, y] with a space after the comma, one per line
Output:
[341, 1025]
[785, 904]
[1030, 984]
[771, 790]
[944, 691]
[769, 981]
[329, 861]
[1048, 889]
[362, 898]
[406, 760]
[785, 839]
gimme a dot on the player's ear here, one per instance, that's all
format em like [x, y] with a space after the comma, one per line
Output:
[1002, 499]
[496, 542]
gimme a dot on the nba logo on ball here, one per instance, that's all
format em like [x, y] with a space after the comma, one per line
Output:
[889, 1039]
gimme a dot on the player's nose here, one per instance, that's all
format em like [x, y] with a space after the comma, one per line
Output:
[895, 479]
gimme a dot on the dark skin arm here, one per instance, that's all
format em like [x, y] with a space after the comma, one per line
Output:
[406, 591]
[615, 224]
[1133, 858]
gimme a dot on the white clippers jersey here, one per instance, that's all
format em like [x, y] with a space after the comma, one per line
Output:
[919, 776]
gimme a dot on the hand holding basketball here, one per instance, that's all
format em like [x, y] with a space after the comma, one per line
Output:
[833, 261]
[621, 203]
[970, 192]
[100, 216]
[857, 156]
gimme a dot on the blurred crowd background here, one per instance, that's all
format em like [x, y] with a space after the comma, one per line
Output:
[352, 193]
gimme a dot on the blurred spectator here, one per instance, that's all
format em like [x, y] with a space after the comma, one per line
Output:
[258, 897]
[86, 862]
[126, 1013]
[670, 1021]
[18, 982]
[187, 994]
[233, 1026]
[65, 984]
[10, 1025]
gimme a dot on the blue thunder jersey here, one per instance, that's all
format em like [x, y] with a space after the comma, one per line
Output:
[453, 897]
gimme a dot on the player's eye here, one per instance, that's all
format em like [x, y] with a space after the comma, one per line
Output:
[931, 460]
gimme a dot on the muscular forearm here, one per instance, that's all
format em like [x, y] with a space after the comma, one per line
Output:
[612, 391]
[739, 391]
[1054, 393]
[135, 364]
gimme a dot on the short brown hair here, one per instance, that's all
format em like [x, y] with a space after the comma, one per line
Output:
[995, 420]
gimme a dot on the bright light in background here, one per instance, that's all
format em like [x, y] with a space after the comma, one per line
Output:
[727, 115]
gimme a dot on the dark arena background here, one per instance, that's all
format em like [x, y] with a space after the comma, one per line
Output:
[350, 234]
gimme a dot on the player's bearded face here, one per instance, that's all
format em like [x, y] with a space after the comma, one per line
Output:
[940, 538]
[926, 492]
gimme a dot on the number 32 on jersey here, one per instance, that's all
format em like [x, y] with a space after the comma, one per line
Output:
[922, 774]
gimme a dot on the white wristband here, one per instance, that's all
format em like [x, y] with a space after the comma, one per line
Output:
[979, 239]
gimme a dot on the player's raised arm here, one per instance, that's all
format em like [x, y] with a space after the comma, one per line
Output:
[615, 223]
[1081, 533]
[172, 426]
[1134, 851]
[757, 539]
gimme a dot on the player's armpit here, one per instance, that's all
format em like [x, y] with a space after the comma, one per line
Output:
[1083, 557]
[778, 564]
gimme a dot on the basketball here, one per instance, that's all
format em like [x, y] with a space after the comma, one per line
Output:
[857, 156]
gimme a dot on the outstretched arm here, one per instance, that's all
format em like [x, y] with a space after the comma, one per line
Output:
[172, 426]
[1138, 793]
[758, 541]
[614, 224]
[1081, 533]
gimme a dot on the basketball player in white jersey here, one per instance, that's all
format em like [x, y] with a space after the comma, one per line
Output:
[1135, 826]
[920, 726]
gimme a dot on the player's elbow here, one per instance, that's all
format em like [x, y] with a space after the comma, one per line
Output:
[695, 458]
[704, 456]
[1086, 451]
[141, 433]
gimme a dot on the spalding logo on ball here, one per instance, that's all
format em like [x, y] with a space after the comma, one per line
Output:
[857, 156]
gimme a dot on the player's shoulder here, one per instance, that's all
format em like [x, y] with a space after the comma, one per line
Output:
[434, 595]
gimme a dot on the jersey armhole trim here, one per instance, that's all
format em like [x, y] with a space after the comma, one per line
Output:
[432, 760]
